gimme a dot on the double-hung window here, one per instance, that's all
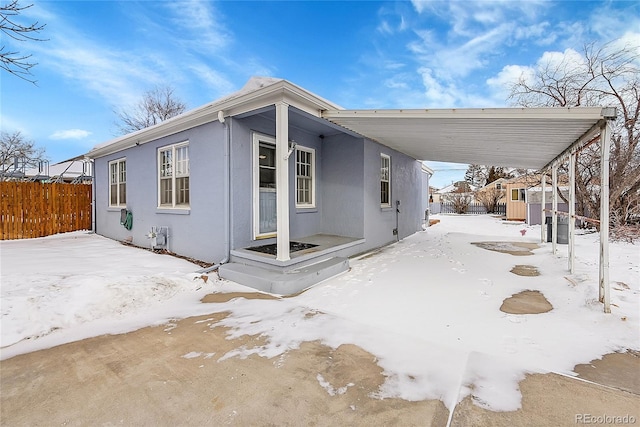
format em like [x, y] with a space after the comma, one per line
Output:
[305, 177]
[173, 175]
[385, 180]
[118, 183]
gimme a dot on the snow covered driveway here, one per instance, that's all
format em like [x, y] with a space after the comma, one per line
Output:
[426, 307]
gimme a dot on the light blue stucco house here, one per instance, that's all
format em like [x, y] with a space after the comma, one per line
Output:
[260, 184]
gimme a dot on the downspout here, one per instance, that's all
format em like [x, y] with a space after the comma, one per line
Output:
[227, 197]
[554, 207]
[543, 208]
[397, 230]
[93, 196]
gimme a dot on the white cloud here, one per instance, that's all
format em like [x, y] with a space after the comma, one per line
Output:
[120, 73]
[385, 28]
[212, 78]
[70, 134]
[510, 74]
[396, 83]
[199, 26]
[630, 40]
[113, 73]
[541, 33]
[438, 95]
[609, 24]
[449, 61]
[420, 5]
[567, 60]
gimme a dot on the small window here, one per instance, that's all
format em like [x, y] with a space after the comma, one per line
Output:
[118, 183]
[517, 194]
[385, 180]
[499, 186]
[305, 179]
[173, 175]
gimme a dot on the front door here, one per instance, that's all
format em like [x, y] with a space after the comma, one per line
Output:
[264, 199]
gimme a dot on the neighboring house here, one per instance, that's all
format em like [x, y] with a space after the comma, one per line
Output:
[259, 183]
[498, 184]
[452, 198]
[458, 187]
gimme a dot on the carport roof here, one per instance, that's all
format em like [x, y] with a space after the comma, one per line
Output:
[528, 138]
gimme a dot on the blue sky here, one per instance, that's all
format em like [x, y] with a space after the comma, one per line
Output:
[102, 56]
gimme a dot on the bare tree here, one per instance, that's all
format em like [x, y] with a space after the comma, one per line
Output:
[460, 198]
[607, 75]
[156, 105]
[490, 197]
[481, 175]
[460, 201]
[13, 61]
[18, 152]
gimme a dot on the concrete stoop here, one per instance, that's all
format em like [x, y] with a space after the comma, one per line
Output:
[283, 281]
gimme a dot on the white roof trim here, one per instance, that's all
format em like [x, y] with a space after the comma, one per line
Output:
[427, 169]
[245, 100]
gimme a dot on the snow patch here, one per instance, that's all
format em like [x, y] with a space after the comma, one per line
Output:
[330, 389]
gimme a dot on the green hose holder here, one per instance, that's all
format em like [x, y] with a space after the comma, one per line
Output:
[126, 219]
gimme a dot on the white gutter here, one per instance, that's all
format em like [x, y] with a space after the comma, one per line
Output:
[578, 113]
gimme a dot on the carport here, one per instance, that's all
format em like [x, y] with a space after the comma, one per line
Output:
[530, 138]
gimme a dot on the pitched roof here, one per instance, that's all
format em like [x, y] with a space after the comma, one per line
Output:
[257, 93]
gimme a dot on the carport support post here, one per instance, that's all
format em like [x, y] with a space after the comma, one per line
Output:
[282, 181]
[543, 205]
[605, 141]
[572, 209]
[554, 208]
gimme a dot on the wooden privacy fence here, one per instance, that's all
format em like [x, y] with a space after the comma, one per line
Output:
[35, 209]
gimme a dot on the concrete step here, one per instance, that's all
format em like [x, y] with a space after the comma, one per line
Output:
[285, 282]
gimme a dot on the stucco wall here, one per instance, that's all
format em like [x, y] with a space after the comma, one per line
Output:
[198, 232]
[343, 173]
[406, 186]
[347, 191]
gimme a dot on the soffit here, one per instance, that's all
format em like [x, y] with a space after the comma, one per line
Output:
[528, 138]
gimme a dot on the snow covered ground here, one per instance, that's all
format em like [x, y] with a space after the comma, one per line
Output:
[427, 307]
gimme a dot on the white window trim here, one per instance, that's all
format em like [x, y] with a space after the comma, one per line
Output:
[257, 139]
[312, 151]
[388, 204]
[174, 192]
[117, 162]
[521, 192]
